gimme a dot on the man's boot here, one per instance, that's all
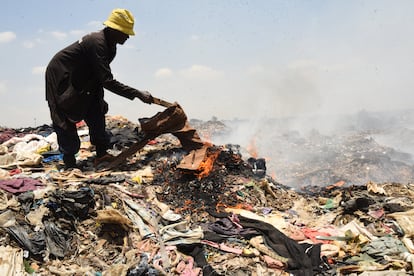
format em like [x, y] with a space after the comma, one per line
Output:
[102, 156]
[70, 161]
[101, 150]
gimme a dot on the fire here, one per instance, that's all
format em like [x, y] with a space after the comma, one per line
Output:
[245, 206]
[207, 164]
[220, 206]
[252, 149]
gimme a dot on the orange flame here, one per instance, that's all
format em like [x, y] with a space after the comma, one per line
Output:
[220, 205]
[207, 164]
[245, 206]
[252, 149]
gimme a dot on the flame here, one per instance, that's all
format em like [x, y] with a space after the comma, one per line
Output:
[220, 205]
[337, 184]
[245, 206]
[252, 149]
[206, 166]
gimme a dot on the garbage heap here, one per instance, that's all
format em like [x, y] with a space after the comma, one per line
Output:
[154, 216]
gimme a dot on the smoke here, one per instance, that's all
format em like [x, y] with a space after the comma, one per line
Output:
[319, 150]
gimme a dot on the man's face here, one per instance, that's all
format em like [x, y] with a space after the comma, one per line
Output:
[119, 37]
[122, 38]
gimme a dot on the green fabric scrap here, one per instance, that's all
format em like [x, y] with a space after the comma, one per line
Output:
[386, 245]
[330, 204]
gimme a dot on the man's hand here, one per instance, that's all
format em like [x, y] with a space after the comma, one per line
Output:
[144, 96]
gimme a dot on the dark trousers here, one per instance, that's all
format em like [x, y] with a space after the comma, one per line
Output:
[68, 139]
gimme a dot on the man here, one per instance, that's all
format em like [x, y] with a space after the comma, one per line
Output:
[75, 81]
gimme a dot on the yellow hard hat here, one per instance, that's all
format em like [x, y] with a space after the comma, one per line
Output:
[121, 20]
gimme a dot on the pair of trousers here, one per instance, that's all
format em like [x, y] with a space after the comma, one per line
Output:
[68, 139]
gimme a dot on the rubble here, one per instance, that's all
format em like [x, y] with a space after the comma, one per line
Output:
[153, 215]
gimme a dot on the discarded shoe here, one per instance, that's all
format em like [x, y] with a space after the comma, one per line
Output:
[69, 162]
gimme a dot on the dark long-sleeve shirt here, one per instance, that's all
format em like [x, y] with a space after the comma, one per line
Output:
[77, 75]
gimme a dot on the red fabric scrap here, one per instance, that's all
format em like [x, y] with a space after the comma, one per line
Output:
[20, 185]
[312, 233]
[15, 171]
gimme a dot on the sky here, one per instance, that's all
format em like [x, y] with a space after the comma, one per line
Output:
[221, 59]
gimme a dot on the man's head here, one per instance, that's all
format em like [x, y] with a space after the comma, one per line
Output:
[121, 20]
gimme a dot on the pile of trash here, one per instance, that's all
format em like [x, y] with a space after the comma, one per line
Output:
[152, 215]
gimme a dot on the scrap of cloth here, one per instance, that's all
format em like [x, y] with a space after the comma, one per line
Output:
[304, 259]
[20, 185]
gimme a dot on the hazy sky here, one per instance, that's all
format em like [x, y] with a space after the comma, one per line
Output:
[224, 58]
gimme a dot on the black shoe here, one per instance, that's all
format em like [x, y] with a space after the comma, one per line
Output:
[70, 161]
[101, 150]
